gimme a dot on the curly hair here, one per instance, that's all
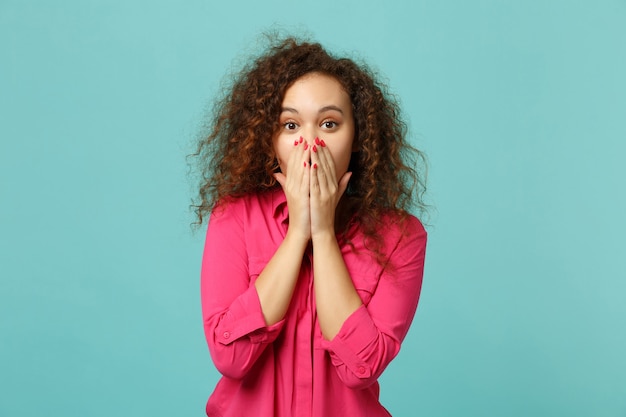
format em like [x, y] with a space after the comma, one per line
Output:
[237, 156]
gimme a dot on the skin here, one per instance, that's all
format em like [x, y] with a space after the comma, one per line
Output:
[313, 149]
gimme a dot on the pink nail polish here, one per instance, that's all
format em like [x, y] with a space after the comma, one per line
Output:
[314, 148]
[306, 146]
[314, 166]
[301, 139]
[295, 143]
[322, 143]
[305, 164]
[317, 141]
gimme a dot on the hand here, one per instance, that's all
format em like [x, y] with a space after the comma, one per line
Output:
[296, 185]
[325, 189]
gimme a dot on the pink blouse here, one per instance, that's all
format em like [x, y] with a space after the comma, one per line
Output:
[289, 369]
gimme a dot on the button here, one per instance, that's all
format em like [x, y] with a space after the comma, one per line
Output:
[226, 335]
[361, 370]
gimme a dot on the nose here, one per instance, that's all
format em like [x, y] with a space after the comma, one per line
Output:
[309, 134]
[308, 139]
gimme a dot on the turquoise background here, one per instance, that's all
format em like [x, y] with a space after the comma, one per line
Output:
[520, 106]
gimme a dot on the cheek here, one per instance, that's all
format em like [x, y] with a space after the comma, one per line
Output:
[341, 157]
[282, 149]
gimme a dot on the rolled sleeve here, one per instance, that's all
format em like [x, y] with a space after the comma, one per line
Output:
[239, 335]
[245, 318]
[235, 329]
[371, 336]
[346, 349]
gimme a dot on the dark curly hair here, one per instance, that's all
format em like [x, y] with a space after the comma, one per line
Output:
[237, 156]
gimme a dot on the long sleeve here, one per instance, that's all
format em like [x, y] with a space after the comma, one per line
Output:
[289, 368]
[371, 337]
[234, 326]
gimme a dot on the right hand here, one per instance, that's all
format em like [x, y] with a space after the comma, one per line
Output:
[296, 185]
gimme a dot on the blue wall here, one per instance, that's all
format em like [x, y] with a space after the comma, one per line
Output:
[520, 106]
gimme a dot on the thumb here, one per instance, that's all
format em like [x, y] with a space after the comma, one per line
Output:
[281, 178]
[343, 182]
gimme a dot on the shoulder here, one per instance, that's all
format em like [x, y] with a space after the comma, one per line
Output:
[400, 226]
[404, 237]
[248, 206]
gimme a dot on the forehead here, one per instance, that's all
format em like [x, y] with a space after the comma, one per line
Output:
[316, 88]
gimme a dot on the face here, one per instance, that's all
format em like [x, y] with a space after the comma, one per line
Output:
[316, 106]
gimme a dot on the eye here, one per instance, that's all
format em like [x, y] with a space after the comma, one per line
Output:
[290, 125]
[329, 124]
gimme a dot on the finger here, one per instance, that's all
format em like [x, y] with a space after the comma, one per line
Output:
[305, 178]
[314, 180]
[296, 152]
[327, 162]
[280, 177]
[293, 166]
[318, 172]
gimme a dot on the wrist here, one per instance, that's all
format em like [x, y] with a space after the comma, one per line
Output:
[297, 237]
[323, 236]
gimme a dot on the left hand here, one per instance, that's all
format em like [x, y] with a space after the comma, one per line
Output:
[325, 190]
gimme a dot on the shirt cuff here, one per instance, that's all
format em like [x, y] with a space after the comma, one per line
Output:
[245, 318]
[356, 333]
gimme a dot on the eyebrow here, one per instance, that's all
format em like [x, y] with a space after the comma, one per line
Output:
[322, 110]
[331, 107]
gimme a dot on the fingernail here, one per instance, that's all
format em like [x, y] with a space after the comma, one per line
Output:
[301, 139]
[314, 166]
[314, 148]
[306, 146]
[322, 143]
[295, 143]
[317, 141]
[305, 164]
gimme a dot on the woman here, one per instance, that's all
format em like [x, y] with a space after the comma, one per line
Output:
[312, 267]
